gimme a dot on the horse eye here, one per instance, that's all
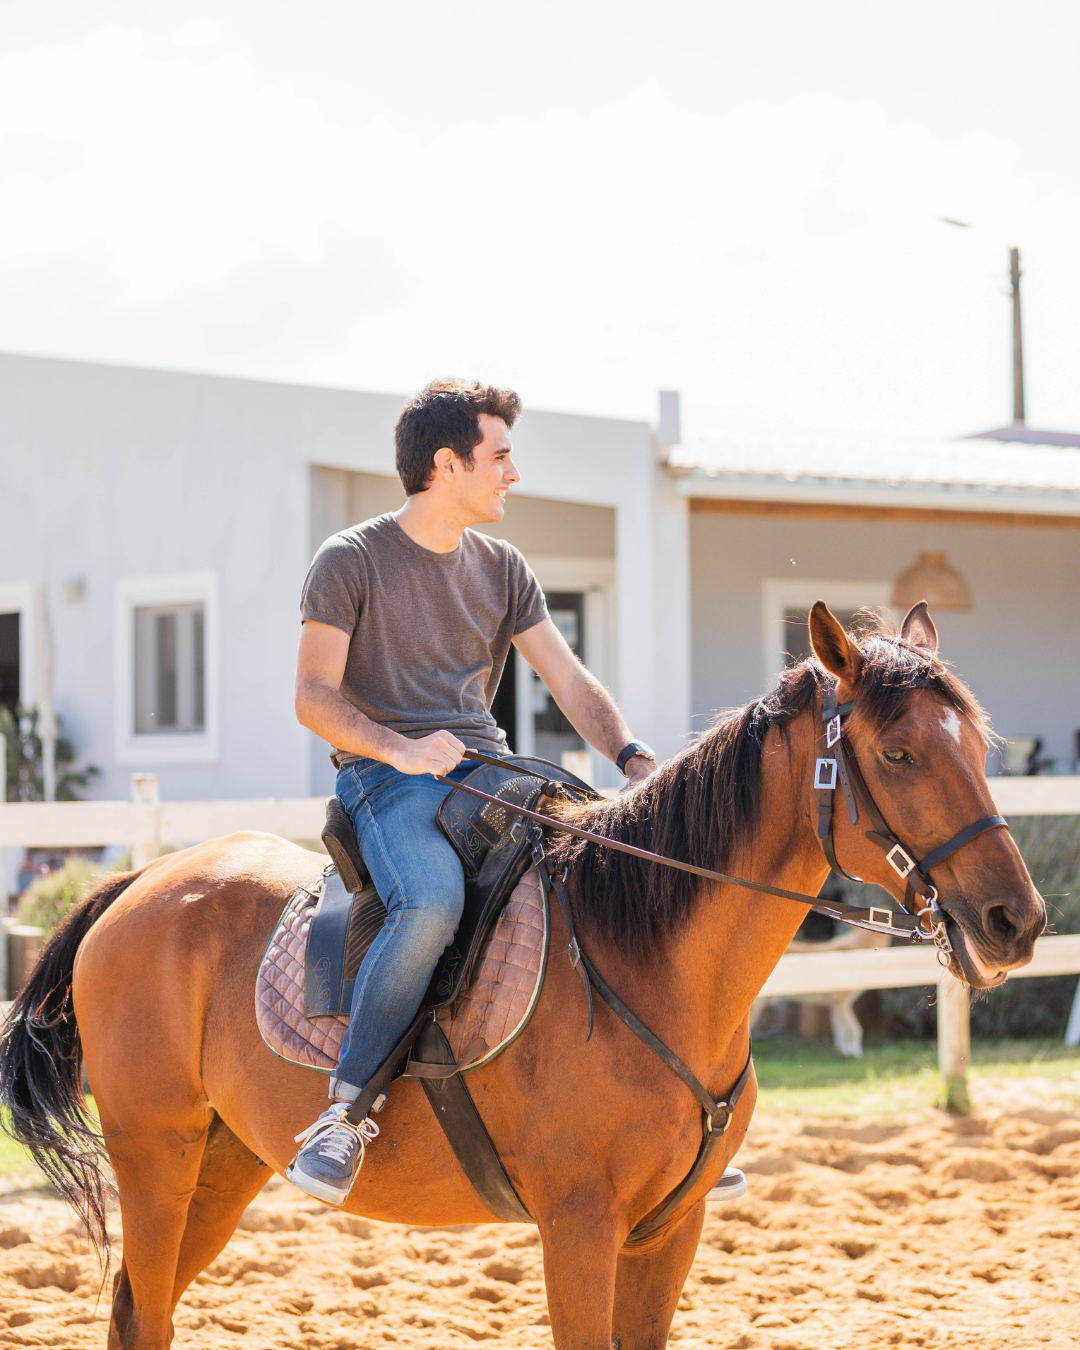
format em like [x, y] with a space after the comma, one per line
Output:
[895, 755]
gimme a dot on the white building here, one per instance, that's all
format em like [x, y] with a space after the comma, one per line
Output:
[155, 530]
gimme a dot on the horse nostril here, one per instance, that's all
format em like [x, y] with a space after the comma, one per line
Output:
[999, 925]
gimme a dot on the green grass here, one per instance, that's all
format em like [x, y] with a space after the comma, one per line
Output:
[15, 1161]
[809, 1078]
[16, 1164]
[895, 1077]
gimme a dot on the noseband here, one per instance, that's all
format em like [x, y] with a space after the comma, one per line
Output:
[839, 766]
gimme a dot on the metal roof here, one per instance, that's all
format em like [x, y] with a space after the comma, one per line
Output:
[1020, 431]
[974, 474]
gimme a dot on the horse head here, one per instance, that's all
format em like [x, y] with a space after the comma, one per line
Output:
[919, 740]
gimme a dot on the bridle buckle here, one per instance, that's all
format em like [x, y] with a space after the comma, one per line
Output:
[825, 775]
[833, 731]
[882, 916]
[906, 863]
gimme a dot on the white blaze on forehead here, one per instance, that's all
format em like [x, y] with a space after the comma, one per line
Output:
[951, 723]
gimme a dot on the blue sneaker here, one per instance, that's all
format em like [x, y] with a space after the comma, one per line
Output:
[731, 1185]
[333, 1152]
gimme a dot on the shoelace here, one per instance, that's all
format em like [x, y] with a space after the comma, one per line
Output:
[335, 1135]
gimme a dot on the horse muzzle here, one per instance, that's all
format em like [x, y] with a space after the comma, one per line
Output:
[981, 957]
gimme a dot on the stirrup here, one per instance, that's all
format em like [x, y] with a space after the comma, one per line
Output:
[731, 1186]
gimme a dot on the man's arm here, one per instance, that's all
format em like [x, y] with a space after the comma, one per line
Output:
[591, 710]
[320, 664]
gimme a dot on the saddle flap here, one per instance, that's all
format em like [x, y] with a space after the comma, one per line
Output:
[342, 929]
[474, 827]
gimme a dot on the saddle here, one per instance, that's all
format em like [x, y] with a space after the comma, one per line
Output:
[487, 982]
[495, 848]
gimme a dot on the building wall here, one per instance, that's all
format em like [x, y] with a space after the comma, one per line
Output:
[111, 474]
[1018, 647]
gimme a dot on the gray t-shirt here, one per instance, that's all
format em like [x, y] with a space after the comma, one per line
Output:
[430, 631]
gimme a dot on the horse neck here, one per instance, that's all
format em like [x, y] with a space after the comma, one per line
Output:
[700, 982]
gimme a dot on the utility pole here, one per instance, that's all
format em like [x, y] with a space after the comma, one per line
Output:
[1018, 338]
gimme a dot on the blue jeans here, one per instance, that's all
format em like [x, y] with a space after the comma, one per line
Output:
[420, 879]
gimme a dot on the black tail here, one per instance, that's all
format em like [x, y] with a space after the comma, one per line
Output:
[41, 1069]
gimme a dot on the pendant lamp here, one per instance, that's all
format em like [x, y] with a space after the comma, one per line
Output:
[933, 580]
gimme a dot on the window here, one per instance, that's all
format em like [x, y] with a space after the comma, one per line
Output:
[170, 668]
[580, 593]
[797, 632]
[786, 604]
[166, 670]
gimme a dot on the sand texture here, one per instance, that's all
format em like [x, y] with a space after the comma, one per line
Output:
[931, 1232]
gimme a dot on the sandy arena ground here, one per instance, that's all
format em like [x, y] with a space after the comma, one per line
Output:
[924, 1231]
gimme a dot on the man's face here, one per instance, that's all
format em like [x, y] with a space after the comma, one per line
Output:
[481, 489]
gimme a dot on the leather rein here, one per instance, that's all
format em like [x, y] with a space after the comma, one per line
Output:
[838, 766]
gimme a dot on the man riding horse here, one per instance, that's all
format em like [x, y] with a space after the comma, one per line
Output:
[407, 621]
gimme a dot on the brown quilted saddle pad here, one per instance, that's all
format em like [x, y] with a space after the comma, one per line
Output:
[490, 1012]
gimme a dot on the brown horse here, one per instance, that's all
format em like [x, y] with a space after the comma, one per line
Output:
[161, 967]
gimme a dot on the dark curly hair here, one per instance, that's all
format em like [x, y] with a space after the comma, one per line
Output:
[446, 413]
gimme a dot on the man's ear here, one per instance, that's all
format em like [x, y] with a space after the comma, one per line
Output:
[838, 653]
[443, 463]
[918, 629]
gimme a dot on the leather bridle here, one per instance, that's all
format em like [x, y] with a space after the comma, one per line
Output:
[839, 766]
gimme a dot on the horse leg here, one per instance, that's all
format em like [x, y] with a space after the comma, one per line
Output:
[157, 1170]
[649, 1281]
[580, 1256]
[230, 1177]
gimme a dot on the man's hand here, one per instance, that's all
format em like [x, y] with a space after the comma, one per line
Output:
[638, 768]
[438, 754]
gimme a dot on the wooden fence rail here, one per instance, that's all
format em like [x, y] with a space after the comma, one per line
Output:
[147, 825]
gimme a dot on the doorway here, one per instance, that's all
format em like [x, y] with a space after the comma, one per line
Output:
[10, 670]
[523, 707]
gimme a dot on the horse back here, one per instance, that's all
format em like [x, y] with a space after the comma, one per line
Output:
[180, 945]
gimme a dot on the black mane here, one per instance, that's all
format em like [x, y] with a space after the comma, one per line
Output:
[700, 805]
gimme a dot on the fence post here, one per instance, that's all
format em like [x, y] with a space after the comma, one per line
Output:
[144, 792]
[954, 1043]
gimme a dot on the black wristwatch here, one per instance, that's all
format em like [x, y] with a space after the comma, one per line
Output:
[629, 751]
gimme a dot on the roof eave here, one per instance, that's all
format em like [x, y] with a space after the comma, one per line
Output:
[902, 496]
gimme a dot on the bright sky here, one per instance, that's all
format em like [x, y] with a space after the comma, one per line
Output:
[589, 201]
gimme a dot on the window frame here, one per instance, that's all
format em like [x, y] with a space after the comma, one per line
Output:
[779, 594]
[147, 748]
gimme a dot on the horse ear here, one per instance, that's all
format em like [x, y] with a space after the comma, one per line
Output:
[918, 629]
[837, 652]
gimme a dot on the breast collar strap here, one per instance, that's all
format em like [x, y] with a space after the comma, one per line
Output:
[838, 765]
